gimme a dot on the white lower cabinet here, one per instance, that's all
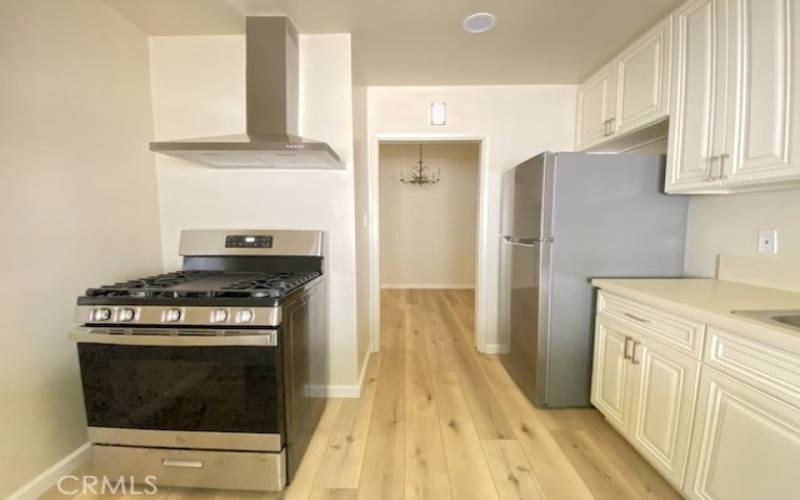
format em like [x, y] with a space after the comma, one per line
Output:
[719, 421]
[611, 380]
[746, 444]
[646, 391]
[663, 406]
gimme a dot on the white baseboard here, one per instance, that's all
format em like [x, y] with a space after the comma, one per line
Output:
[37, 486]
[363, 376]
[342, 391]
[428, 286]
[494, 349]
[334, 391]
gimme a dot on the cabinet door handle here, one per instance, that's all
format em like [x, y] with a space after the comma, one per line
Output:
[611, 122]
[634, 359]
[637, 318]
[182, 464]
[722, 158]
[625, 351]
[711, 161]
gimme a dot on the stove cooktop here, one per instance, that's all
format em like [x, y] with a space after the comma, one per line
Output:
[202, 288]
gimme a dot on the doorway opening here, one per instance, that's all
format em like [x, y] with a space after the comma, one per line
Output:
[429, 218]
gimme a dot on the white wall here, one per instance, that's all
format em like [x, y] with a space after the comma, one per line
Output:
[78, 207]
[516, 122]
[428, 232]
[729, 224]
[198, 90]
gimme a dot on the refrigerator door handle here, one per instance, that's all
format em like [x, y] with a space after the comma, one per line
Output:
[526, 242]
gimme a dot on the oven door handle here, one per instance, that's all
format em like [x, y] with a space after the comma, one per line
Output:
[235, 338]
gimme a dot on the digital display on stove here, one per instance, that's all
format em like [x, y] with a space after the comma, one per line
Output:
[248, 241]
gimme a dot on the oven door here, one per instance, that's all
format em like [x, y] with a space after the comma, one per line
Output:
[184, 389]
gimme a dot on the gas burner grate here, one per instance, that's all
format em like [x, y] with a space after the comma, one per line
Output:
[165, 286]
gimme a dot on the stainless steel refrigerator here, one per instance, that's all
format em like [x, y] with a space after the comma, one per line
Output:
[568, 218]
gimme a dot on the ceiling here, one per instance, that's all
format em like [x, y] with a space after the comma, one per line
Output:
[421, 42]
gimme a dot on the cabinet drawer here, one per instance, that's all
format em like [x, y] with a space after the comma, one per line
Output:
[680, 333]
[193, 469]
[764, 366]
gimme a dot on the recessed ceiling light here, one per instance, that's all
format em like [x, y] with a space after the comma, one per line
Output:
[479, 22]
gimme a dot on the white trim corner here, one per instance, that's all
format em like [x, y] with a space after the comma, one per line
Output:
[39, 485]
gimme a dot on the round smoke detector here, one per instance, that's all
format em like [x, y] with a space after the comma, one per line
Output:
[480, 22]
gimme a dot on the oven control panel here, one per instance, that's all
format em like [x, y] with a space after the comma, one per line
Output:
[248, 241]
[178, 316]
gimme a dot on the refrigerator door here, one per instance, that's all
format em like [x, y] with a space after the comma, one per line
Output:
[530, 203]
[525, 314]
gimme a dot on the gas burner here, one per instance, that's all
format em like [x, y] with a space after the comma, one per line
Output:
[206, 285]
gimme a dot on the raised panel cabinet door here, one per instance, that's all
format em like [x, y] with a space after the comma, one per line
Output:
[663, 407]
[643, 80]
[767, 145]
[610, 377]
[595, 105]
[746, 444]
[699, 102]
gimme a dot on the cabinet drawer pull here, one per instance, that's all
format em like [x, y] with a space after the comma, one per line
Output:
[625, 351]
[634, 359]
[637, 318]
[182, 464]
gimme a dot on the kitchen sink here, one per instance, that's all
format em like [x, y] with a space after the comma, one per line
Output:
[789, 319]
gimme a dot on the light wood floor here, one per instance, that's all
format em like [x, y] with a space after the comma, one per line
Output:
[439, 420]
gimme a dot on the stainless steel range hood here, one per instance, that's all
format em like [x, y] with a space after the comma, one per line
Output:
[271, 139]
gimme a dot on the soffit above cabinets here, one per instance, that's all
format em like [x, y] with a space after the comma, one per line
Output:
[420, 42]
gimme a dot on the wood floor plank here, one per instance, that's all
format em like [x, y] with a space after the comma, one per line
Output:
[490, 419]
[383, 472]
[645, 479]
[341, 465]
[303, 481]
[552, 468]
[602, 478]
[512, 474]
[425, 464]
[334, 494]
[466, 464]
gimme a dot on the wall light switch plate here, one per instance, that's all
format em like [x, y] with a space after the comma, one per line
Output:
[768, 242]
[438, 113]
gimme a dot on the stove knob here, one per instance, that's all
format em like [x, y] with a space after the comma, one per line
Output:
[172, 315]
[219, 316]
[101, 314]
[126, 314]
[244, 316]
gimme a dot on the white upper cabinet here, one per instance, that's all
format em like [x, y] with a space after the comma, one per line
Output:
[767, 146]
[643, 80]
[699, 110]
[734, 114]
[596, 103]
[629, 93]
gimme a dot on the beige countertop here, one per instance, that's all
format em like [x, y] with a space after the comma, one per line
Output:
[711, 301]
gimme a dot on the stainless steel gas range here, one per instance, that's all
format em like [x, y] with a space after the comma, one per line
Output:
[211, 376]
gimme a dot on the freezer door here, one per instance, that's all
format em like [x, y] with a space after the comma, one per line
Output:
[530, 202]
[524, 314]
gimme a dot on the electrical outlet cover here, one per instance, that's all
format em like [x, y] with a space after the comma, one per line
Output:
[768, 242]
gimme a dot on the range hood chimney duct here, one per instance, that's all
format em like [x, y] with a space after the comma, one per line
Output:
[271, 139]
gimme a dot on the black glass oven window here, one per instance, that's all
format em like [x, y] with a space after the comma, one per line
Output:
[222, 389]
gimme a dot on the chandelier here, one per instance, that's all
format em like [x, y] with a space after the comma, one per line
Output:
[420, 175]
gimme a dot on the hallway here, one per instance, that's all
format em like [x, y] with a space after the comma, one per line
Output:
[438, 420]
